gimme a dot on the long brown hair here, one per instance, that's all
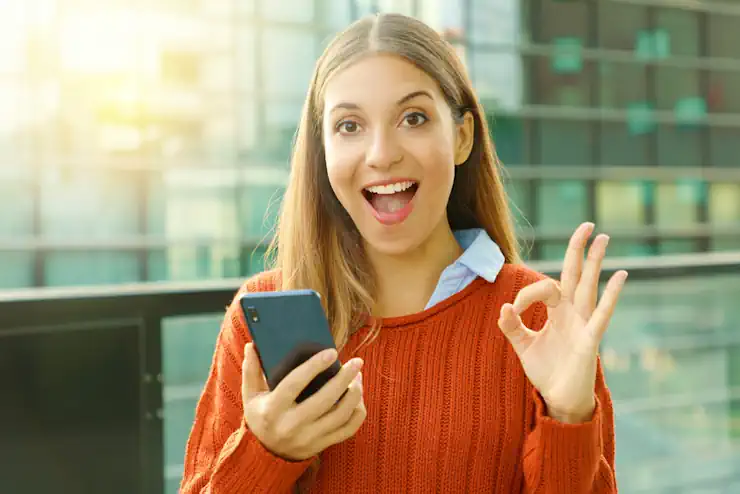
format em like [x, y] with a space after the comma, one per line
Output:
[317, 245]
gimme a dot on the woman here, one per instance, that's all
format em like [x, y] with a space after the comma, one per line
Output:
[478, 374]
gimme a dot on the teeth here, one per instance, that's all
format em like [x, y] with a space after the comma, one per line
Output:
[390, 188]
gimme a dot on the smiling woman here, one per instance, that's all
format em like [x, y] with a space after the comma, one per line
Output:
[478, 374]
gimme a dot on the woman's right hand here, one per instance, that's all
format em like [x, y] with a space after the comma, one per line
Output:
[298, 431]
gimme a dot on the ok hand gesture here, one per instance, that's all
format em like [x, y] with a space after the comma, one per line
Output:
[560, 359]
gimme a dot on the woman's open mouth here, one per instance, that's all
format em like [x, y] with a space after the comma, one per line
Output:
[391, 203]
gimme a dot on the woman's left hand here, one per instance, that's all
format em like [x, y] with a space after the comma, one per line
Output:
[560, 360]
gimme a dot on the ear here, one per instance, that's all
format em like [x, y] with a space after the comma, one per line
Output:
[464, 137]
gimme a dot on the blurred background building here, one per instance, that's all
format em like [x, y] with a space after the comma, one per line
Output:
[144, 140]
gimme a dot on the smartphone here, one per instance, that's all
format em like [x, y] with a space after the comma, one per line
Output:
[288, 328]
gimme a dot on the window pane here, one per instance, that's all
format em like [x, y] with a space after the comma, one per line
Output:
[16, 208]
[724, 36]
[565, 142]
[561, 80]
[562, 19]
[84, 203]
[675, 85]
[337, 14]
[510, 139]
[622, 85]
[677, 204]
[280, 128]
[724, 204]
[282, 48]
[679, 146]
[288, 10]
[259, 210]
[561, 205]
[90, 268]
[17, 268]
[619, 24]
[681, 27]
[620, 204]
[678, 246]
[724, 146]
[498, 78]
[520, 192]
[630, 248]
[625, 145]
[723, 96]
[551, 251]
[187, 351]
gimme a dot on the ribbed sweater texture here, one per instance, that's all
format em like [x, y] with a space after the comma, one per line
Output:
[449, 410]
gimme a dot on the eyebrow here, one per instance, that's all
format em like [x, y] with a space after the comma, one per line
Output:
[404, 99]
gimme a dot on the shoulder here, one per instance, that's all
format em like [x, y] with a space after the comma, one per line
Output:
[266, 281]
[517, 276]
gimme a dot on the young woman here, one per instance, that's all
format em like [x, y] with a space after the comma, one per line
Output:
[465, 370]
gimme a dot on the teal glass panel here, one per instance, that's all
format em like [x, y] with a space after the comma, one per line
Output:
[90, 268]
[561, 204]
[17, 268]
[678, 246]
[640, 118]
[567, 57]
[188, 344]
[690, 111]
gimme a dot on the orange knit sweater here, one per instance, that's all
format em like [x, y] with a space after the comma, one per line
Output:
[449, 410]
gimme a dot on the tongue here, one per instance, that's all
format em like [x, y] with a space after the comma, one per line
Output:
[390, 203]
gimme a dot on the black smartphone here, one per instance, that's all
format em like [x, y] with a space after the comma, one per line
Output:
[288, 328]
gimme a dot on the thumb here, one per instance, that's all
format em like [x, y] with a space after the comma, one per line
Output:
[253, 380]
[513, 328]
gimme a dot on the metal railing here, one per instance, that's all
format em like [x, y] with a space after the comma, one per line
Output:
[31, 319]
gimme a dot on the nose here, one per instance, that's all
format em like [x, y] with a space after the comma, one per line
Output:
[383, 150]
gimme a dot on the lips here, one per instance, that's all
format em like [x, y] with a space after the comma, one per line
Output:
[391, 201]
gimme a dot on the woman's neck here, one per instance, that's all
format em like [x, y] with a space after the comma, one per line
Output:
[406, 283]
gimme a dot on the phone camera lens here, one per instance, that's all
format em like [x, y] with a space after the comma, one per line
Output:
[253, 314]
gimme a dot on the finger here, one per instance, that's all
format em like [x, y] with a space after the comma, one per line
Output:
[513, 327]
[573, 262]
[340, 414]
[346, 431]
[587, 291]
[296, 381]
[546, 291]
[253, 379]
[603, 313]
[325, 398]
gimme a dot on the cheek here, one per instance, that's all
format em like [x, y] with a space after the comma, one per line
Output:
[340, 170]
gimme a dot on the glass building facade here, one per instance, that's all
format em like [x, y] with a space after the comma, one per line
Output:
[149, 140]
[144, 140]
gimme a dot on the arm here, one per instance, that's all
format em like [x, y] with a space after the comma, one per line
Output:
[222, 455]
[571, 458]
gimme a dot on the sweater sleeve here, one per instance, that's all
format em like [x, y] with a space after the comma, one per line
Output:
[571, 458]
[222, 455]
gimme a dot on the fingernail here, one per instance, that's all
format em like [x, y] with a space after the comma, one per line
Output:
[330, 355]
[358, 378]
[356, 364]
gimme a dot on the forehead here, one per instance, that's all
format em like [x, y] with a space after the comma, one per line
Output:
[377, 79]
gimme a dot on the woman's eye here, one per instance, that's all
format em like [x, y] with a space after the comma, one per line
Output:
[415, 119]
[348, 127]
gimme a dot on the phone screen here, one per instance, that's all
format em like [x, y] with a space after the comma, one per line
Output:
[288, 328]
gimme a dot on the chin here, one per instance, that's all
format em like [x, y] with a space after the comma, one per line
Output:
[400, 246]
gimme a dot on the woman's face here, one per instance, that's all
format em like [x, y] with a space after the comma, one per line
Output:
[391, 148]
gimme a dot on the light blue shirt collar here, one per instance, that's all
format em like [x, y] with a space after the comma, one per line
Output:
[481, 257]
